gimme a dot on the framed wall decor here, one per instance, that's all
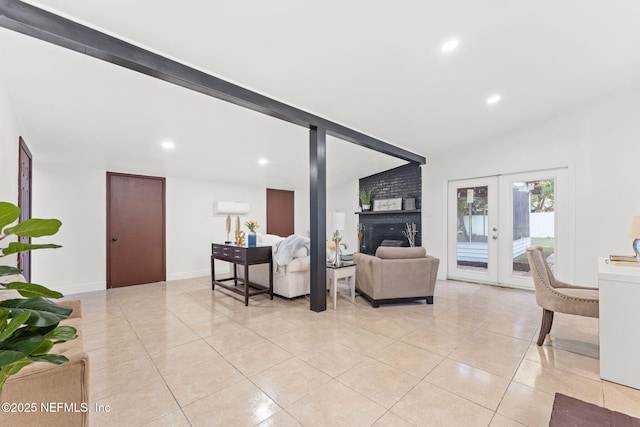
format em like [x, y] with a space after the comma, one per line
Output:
[409, 204]
[388, 204]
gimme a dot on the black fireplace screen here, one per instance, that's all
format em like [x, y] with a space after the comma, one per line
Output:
[375, 234]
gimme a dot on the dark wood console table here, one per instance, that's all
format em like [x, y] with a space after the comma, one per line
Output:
[244, 256]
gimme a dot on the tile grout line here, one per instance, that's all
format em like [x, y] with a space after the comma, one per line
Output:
[511, 380]
[157, 370]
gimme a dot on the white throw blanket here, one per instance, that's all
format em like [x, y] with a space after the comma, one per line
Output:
[283, 252]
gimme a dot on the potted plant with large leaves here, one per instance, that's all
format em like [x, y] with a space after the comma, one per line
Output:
[29, 326]
[365, 195]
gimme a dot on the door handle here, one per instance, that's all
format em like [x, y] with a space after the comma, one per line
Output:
[114, 239]
[495, 237]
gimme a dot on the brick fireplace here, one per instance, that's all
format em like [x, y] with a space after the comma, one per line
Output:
[402, 182]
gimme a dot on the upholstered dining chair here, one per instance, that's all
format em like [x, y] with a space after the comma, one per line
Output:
[553, 295]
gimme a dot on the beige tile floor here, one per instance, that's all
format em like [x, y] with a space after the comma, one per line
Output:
[178, 354]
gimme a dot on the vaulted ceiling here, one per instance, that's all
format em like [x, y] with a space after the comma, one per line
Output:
[375, 66]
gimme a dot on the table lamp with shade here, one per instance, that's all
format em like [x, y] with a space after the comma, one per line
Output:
[634, 233]
[336, 222]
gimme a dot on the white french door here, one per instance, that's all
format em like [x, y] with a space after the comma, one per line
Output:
[473, 229]
[492, 221]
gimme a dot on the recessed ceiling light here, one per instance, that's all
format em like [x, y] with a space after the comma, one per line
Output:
[263, 161]
[168, 145]
[450, 46]
[493, 99]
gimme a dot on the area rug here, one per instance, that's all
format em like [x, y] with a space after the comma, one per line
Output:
[568, 412]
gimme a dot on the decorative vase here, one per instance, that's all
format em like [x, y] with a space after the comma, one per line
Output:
[251, 239]
[366, 208]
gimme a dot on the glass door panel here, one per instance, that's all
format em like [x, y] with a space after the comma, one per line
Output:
[472, 247]
[533, 222]
[529, 205]
[473, 230]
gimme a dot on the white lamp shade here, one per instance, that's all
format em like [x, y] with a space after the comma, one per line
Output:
[634, 231]
[336, 220]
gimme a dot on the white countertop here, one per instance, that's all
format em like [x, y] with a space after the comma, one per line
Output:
[618, 273]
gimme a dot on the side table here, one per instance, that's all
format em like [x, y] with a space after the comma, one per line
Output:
[245, 256]
[348, 272]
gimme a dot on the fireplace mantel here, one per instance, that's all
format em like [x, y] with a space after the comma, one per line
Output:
[409, 211]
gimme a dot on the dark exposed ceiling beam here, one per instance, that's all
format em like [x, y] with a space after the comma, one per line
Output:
[49, 27]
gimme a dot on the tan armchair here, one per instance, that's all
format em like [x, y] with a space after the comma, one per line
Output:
[396, 274]
[553, 295]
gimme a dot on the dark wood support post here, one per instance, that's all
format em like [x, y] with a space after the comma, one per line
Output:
[318, 196]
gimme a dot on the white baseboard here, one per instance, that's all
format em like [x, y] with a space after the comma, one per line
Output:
[80, 288]
[101, 286]
[188, 274]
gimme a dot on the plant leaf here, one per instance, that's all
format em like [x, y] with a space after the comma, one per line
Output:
[15, 247]
[14, 324]
[41, 330]
[43, 312]
[7, 357]
[4, 315]
[35, 227]
[25, 343]
[56, 359]
[8, 214]
[14, 368]
[31, 290]
[62, 333]
[5, 270]
[43, 348]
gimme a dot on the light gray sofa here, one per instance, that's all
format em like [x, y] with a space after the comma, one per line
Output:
[396, 274]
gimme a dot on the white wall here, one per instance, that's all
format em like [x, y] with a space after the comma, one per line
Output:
[77, 196]
[10, 131]
[344, 198]
[302, 225]
[598, 142]
[192, 226]
[9, 134]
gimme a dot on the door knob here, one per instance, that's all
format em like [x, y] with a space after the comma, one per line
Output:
[114, 239]
[495, 229]
[495, 237]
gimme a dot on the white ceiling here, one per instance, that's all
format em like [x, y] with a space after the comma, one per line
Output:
[375, 66]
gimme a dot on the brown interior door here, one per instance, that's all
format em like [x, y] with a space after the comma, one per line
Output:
[25, 161]
[135, 229]
[280, 212]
